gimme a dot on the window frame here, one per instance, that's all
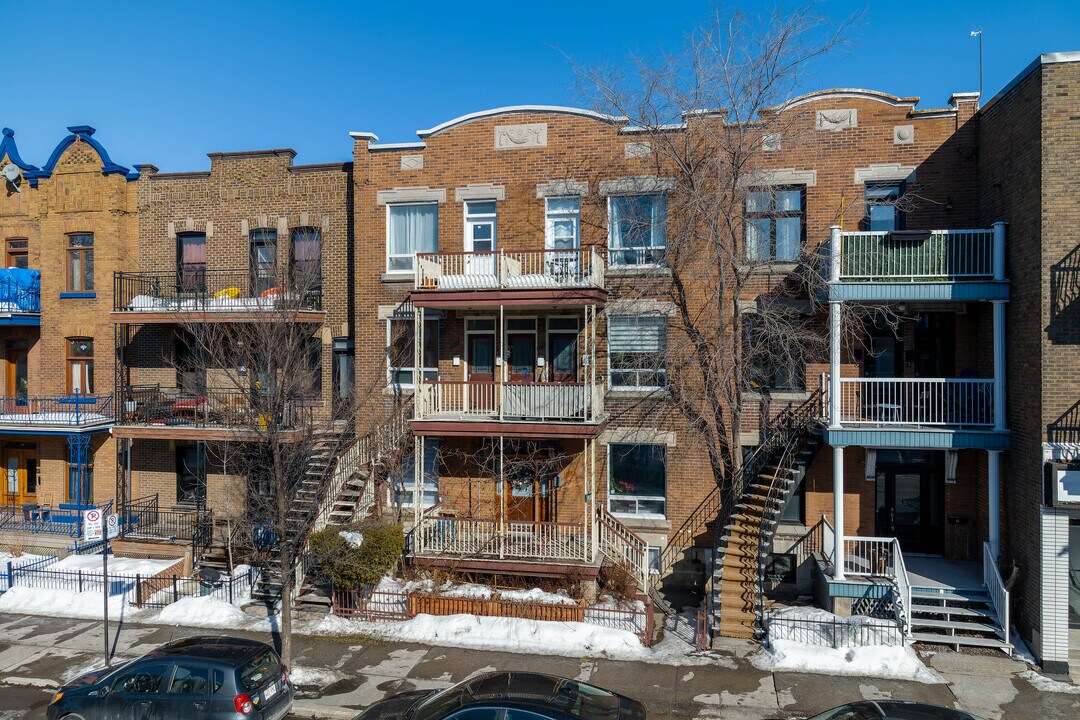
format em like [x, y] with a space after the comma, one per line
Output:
[15, 248]
[430, 374]
[262, 237]
[399, 490]
[659, 371]
[637, 499]
[343, 352]
[772, 214]
[316, 282]
[660, 251]
[196, 277]
[480, 218]
[899, 216]
[551, 217]
[798, 379]
[71, 361]
[82, 252]
[411, 255]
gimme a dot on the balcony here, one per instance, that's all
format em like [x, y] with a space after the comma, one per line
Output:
[959, 412]
[578, 407]
[918, 265]
[573, 276]
[198, 294]
[151, 411]
[55, 414]
[20, 297]
[444, 536]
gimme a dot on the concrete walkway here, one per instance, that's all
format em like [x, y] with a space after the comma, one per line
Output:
[344, 675]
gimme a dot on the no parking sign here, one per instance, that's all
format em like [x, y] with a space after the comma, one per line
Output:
[93, 525]
[112, 525]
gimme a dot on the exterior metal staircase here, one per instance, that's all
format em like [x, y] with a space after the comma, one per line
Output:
[748, 518]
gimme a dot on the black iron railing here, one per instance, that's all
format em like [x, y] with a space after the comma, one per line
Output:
[196, 289]
[153, 405]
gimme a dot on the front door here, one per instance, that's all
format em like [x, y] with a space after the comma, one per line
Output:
[910, 507]
[520, 502]
[191, 474]
[562, 350]
[18, 379]
[481, 377]
[522, 356]
[21, 468]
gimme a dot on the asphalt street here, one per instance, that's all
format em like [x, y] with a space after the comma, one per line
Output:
[345, 675]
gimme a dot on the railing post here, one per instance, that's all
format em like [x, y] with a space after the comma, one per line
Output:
[838, 513]
[999, 250]
[80, 581]
[999, 364]
[834, 253]
[138, 590]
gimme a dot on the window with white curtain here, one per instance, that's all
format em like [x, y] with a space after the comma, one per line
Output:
[638, 229]
[405, 479]
[410, 229]
[636, 348]
[563, 222]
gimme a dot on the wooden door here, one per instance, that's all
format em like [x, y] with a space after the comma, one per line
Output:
[17, 379]
[21, 470]
[481, 371]
[562, 354]
[520, 502]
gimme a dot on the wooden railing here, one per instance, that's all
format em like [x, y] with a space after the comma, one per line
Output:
[917, 401]
[530, 269]
[536, 401]
[473, 537]
[622, 546]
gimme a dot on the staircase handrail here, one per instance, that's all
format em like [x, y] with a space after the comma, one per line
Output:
[995, 586]
[633, 547]
[902, 606]
[704, 513]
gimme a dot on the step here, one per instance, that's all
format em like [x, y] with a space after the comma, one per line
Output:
[951, 610]
[955, 640]
[956, 625]
[750, 519]
[968, 596]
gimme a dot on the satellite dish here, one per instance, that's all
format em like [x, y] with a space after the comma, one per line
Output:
[13, 176]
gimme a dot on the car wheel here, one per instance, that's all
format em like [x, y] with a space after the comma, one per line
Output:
[72, 716]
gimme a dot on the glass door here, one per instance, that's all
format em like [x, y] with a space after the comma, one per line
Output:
[480, 237]
[21, 468]
[18, 379]
[910, 507]
[480, 393]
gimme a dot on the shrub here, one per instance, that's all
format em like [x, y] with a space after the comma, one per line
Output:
[348, 566]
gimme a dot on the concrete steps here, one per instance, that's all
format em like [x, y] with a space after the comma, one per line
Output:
[962, 617]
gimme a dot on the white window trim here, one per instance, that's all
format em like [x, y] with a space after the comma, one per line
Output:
[479, 218]
[405, 273]
[392, 369]
[549, 220]
[612, 250]
[635, 388]
[638, 498]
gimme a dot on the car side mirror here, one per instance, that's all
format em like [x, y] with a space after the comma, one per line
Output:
[101, 692]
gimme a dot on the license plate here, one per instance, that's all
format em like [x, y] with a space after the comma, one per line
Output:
[269, 692]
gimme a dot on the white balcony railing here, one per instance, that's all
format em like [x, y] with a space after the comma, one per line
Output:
[500, 270]
[956, 402]
[535, 401]
[918, 256]
[470, 537]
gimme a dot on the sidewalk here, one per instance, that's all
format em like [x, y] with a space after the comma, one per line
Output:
[338, 677]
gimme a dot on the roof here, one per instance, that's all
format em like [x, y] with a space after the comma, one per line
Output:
[1043, 59]
[211, 647]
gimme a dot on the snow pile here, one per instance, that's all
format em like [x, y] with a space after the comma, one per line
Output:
[312, 677]
[92, 565]
[472, 590]
[63, 603]
[570, 639]
[820, 627]
[1045, 684]
[204, 611]
[352, 539]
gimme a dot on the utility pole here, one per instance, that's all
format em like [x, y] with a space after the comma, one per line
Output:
[979, 33]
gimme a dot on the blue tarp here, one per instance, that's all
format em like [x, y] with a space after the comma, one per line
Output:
[21, 288]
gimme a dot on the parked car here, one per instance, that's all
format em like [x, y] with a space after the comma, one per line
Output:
[196, 678]
[893, 710]
[509, 696]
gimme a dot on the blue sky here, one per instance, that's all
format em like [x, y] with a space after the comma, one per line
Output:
[166, 83]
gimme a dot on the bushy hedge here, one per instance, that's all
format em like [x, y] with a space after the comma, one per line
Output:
[349, 567]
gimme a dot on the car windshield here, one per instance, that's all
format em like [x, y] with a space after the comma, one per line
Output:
[255, 672]
[434, 706]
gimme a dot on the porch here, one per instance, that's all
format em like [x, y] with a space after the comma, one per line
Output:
[571, 268]
[513, 401]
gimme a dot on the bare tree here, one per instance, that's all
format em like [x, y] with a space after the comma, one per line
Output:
[710, 119]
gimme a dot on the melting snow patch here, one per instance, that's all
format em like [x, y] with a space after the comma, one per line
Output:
[1045, 684]
[205, 612]
[63, 603]
[312, 677]
[899, 663]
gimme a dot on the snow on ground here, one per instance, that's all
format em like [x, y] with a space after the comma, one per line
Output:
[352, 539]
[312, 677]
[471, 590]
[117, 565]
[1045, 684]
[20, 559]
[65, 603]
[205, 611]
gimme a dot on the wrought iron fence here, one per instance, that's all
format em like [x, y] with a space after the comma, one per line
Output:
[838, 633]
[199, 290]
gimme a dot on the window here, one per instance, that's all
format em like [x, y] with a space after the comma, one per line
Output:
[80, 487]
[769, 361]
[400, 357]
[344, 368]
[80, 253]
[480, 226]
[410, 229]
[655, 555]
[637, 480]
[305, 259]
[263, 260]
[775, 223]
[143, 680]
[562, 223]
[636, 348]
[191, 260]
[18, 250]
[190, 369]
[638, 227]
[80, 365]
[405, 478]
[882, 210]
[189, 680]
[314, 363]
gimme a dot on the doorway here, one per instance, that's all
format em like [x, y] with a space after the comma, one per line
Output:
[562, 349]
[521, 344]
[480, 237]
[480, 368]
[18, 378]
[20, 463]
[191, 474]
[910, 500]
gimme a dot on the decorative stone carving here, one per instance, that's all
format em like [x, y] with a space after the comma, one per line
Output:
[412, 162]
[837, 119]
[637, 149]
[903, 135]
[508, 137]
[771, 142]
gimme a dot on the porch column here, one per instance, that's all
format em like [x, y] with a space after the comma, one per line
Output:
[999, 365]
[999, 250]
[500, 370]
[834, 329]
[993, 510]
[418, 487]
[501, 487]
[418, 364]
[838, 512]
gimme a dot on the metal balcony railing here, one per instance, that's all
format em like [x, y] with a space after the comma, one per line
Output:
[155, 406]
[501, 270]
[956, 402]
[193, 288]
[913, 256]
[530, 401]
[74, 410]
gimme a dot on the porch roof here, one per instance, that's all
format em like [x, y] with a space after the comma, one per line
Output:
[918, 438]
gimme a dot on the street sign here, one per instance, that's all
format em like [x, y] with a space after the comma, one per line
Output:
[112, 525]
[93, 525]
